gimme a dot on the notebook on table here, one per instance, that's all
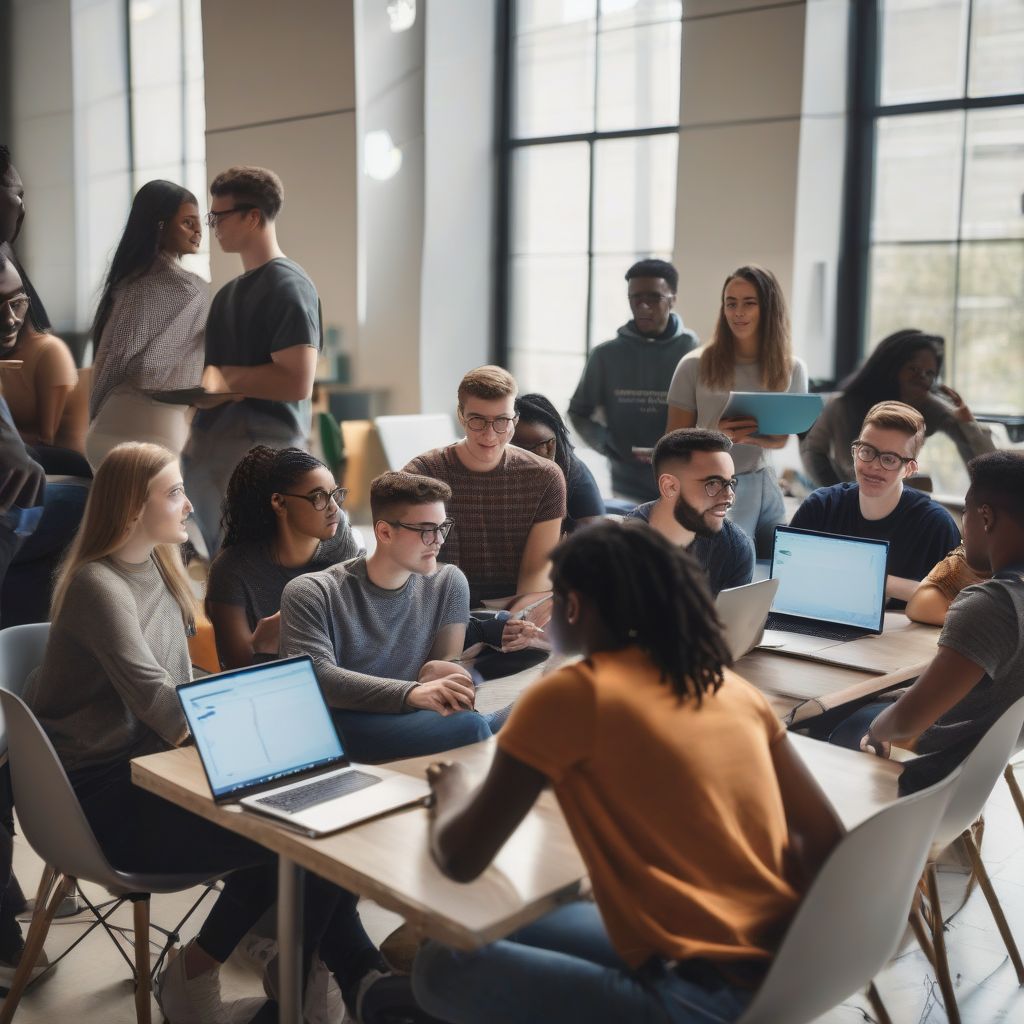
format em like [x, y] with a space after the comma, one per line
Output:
[831, 590]
[267, 741]
[743, 611]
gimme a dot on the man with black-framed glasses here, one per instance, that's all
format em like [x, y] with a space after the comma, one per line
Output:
[696, 483]
[263, 337]
[385, 631]
[919, 530]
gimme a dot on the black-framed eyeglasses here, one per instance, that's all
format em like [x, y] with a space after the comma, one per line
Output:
[16, 305]
[428, 534]
[499, 424]
[714, 485]
[215, 215]
[320, 499]
[649, 298]
[535, 446]
[887, 460]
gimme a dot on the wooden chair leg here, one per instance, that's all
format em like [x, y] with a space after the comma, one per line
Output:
[143, 1003]
[967, 839]
[877, 1005]
[48, 900]
[1015, 792]
[919, 925]
[939, 944]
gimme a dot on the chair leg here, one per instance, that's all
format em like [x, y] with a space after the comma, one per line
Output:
[993, 903]
[1018, 796]
[877, 1005]
[939, 944]
[48, 900]
[143, 1003]
[919, 926]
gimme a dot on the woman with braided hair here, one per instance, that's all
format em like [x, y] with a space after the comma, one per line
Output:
[697, 821]
[282, 518]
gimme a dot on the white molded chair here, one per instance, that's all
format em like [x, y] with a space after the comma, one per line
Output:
[977, 777]
[405, 437]
[854, 914]
[56, 828]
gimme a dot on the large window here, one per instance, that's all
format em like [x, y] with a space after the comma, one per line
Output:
[593, 137]
[946, 246]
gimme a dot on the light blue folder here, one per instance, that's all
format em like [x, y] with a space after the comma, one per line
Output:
[776, 412]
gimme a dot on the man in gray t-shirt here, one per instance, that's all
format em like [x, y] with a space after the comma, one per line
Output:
[978, 671]
[385, 632]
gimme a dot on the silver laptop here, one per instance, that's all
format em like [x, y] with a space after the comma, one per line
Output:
[831, 590]
[743, 611]
[267, 741]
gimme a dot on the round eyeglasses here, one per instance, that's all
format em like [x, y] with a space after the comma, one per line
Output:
[499, 424]
[538, 444]
[714, 485]
[868, 453]
[428, 534]
[319, 498]
[16, 306]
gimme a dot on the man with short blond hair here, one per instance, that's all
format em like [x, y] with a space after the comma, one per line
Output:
[508, 503]
[263, 337]
[919, 530]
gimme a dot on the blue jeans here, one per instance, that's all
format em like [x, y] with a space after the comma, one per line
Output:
[371, 737]
[561, 968]
[759, 508]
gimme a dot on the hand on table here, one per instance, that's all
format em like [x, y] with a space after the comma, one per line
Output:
[870, 745]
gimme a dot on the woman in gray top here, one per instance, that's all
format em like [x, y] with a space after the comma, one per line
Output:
[904, 367]
[105, 693]
[282, 518]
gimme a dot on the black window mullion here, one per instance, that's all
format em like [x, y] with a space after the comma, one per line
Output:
[591, 148]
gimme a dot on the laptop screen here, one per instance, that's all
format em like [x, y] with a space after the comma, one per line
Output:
[830, 578]
[256, 725]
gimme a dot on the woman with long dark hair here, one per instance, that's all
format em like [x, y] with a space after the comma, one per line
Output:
[149, 325]
[282, 518]
[542, 431]
[749, 351]
[696, 820]
[904, 367]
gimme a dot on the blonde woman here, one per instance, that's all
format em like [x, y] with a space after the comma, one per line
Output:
[750, 351]
[105, 693]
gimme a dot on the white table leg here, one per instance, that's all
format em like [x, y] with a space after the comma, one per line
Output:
[289, 940]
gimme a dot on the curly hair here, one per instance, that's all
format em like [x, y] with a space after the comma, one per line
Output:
[649, 594]
[246, 513]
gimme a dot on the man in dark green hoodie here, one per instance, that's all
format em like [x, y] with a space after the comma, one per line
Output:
[619, 402]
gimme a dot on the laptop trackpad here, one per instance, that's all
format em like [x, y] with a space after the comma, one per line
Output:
[776, 639]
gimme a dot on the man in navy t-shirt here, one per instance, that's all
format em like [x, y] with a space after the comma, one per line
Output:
[695, 476]
[919, 530]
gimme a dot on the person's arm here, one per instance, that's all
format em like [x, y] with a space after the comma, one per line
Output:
[55, 377]
[237, 644]
[816, 446]
[951, 414]
[448, 643]
[535, 564]
[814, 828]
[287, 378]
[899, 588]
[944, 683]
[468, 827]
[740, 570]
[928, 604]
[21, 479]
[678, 419]
[586, 399]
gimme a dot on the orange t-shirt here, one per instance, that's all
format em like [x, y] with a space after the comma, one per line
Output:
[676, 809]
[46, 363]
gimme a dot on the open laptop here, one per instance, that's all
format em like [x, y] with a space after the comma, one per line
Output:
[267, 741]
[743, 611]
[831, 590]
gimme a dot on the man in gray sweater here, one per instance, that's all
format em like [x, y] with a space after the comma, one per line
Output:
[620, 401]
[385, 632]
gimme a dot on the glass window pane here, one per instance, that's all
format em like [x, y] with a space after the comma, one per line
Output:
[617, 13]
[549, 303]
[988, 359]
[610, 309]
[911, 286]
[917, 177]
[554, 75]
[997, 47]
[551, 193]
[553, 375]
[635, 194]
[924, 47]
[637, 86]
[534, 14]
[994, 175]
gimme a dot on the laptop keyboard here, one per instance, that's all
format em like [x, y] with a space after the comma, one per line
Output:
[318, 792]
[805, 627]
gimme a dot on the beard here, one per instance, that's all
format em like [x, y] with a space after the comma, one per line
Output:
[691, 519]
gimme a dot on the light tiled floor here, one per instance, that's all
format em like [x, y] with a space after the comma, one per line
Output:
[92, 987]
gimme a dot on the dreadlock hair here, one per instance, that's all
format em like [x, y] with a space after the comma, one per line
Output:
[536, 408]
[246, 513]
[649, 594]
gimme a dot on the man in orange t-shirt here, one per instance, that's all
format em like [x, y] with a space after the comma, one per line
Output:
[697, 822]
